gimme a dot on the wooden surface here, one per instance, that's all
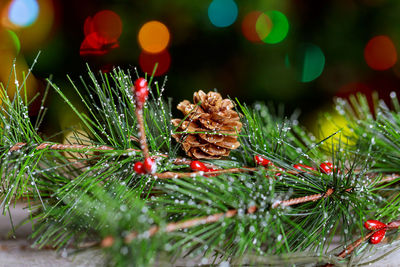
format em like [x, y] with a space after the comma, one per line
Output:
[17, 252]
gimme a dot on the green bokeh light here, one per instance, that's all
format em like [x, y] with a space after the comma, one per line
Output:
[15, 40]
[280, 27]
[308, 61]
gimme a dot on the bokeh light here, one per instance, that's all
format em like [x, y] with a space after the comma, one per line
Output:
[380, 53]
[308, 61]
[147, 62]
[23, 13]
[348, 90]
[15, 40]
[94, 45]
[351, 88]
[256, 26]
[73, 137]
[249, 26]
[153, 37]
[336, 125]
[38, 25]
[102, 33]
[263, 26]
[222, 13]
[9, 41]
[109, 67]
[280, 27]
[108, 25]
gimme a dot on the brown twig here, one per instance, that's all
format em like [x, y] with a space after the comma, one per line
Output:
[177, 161]
[51, 146]
[299, 200]
[349, 249]
[389, 178]
[142, 133]
[329, 192]
[290, 202]
[171, 175]
[108, 241]
[215, 217]
[171, 227]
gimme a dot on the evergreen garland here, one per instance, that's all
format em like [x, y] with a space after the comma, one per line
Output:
[282, 208]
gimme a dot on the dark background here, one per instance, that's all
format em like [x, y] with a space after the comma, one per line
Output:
[205, 57]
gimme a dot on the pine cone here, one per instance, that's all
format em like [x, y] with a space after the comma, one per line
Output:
[210, 128]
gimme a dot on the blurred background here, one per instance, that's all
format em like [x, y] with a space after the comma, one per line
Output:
[299, 53]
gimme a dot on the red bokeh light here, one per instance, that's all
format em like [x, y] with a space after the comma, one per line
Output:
[96, 45]
[148, 61]
[108, 25]
[249, 26]
[102, 33]
[380, 53]
[353, 88]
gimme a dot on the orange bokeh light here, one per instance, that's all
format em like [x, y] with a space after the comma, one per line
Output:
[153, 37]
[148, 61]
[380, 53]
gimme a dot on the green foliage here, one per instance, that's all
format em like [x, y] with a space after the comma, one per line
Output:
[17, 168]
[282, 140]
[85, 194]
[109, 210]
[111, 118]
[379, 132]
[269, 230]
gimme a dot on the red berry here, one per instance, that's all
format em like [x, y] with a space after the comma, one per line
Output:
[140, 82]
[261, 161]
[139, 168]
[150, 165]
[374, 225]
[141, 92]
[377, 236]
[302, 167]
[326, 167]
[198, 166]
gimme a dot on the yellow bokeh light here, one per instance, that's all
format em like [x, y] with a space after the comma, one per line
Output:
[263, 26]
[80, 137]
[12, 80]
[153, 37]
[336, 126]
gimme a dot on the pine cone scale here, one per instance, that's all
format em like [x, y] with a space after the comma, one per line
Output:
[210, 128]
[213, 149]
[212, 138]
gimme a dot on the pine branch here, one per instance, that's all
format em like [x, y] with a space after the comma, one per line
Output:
[173, 175]
[350, 248]
[218, 216]
[234, 209]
